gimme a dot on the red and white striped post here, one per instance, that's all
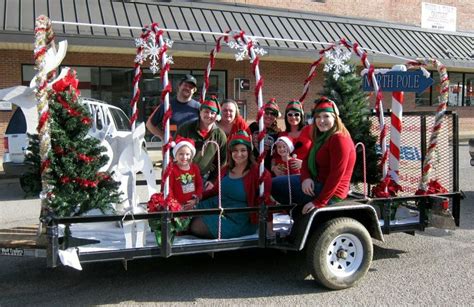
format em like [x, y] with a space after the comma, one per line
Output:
[396, 130]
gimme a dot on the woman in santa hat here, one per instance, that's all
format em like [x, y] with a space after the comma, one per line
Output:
[240, 188]
[327, 170]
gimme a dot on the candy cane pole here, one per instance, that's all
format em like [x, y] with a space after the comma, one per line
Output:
[396, 129]
[43, 39]
[210, 66]
[441, 109]
[219, 197]
[378, 104]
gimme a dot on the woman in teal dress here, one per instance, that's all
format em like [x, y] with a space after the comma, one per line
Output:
[239, 189]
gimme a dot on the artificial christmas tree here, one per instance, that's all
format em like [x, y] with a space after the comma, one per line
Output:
[75, 158]
[344, 87]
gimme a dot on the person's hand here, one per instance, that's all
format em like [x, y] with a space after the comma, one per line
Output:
[190, 204]
[308, 187]
[308, 208]
[208, 186]
[296, 163]
[278, 171]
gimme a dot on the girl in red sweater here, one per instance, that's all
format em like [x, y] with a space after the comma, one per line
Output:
[327, 170]
[185, 179]
[283, 157]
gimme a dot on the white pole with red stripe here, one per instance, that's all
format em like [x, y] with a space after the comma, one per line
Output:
[396, 121]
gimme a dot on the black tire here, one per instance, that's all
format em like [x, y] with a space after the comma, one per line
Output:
[344, 237]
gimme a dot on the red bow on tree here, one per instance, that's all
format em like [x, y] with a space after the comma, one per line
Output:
[64, 83]
[158, 203]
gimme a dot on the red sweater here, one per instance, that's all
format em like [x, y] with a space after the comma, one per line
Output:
[185, 184]
[239, 124]
[251, 188]
[278, 161]
[335, 162]
[304, 140]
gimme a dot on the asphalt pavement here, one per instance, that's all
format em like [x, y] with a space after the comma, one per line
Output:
[434, 267]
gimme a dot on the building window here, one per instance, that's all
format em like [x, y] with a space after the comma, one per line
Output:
[469, 90]
[460, 91]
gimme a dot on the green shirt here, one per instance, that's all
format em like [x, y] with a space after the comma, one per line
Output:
[208, 162]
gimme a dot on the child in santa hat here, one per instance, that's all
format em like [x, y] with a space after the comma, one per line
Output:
[185, 179]
[282, 156]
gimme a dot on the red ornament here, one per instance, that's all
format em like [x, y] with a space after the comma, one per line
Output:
[64, 180]
[86, 120]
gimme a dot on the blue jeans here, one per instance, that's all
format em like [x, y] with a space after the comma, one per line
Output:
[281, 194]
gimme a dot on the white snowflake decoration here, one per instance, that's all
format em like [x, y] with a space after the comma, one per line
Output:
[337, 60]
[242, 50]
[151, 51]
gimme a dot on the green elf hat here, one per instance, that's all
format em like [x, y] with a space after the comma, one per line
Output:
[213, 105]
[272, 106]
[240, 137]
[324, 104]
[294, 105]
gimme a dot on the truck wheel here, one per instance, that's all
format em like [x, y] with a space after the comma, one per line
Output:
[339, 253]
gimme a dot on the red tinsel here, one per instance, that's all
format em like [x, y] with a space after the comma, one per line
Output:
[434, 187]
[86, 120]
[103, 176]
[386, 188]
[158, 203]
[64, 83]
[85, 158]
[64, 179]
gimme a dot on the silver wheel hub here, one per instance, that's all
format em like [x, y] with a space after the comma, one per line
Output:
[344, 255]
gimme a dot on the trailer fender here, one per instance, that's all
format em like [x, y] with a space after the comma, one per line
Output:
[363, 213]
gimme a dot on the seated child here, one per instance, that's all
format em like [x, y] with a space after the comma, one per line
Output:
[282, 149]
[185, 180]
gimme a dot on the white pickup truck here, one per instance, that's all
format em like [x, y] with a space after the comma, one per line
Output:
[110, 123]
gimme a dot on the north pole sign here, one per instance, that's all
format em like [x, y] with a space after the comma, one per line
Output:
[400, 81]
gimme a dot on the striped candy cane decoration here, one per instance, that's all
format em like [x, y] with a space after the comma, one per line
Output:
[378, 106]
[440, 110]
[255, 61]
[396, 130]
[44, 38]
[210, 65]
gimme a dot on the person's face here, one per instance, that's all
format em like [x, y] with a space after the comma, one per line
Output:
[324, 121]
[228, 112]
[282, 149]
[269, 118]
[255, 139]
[293, 118]
[183, 156]
[207, 116]
[240, 154]
[186, 90]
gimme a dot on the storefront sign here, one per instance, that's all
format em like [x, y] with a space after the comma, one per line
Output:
[400, 81]
[5, 105]
[438, 17]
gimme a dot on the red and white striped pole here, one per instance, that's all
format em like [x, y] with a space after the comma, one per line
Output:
[396, 130]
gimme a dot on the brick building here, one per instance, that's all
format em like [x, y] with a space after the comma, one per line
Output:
[104, 58]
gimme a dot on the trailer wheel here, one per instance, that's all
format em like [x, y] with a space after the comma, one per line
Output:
[339, 253]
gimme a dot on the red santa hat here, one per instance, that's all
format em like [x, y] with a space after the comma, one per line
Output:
[272, 106]
[180, 142]
[287, 141]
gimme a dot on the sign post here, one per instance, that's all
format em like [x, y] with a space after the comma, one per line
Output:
[400, 81]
